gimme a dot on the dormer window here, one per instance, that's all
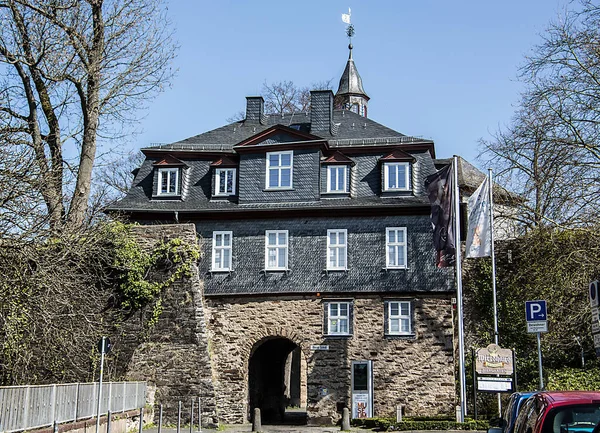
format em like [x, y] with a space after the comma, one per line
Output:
[168, 181]
[279, 170]
[225, 181]
[336, 178]
[396, 176]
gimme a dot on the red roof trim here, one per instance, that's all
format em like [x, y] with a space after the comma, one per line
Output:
[224, 162]
[397, 155]
[170, 161]
[338, 158]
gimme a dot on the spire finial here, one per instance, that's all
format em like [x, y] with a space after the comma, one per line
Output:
[349, 28]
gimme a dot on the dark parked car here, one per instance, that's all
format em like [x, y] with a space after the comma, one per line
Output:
[560, 412]
[515, 403]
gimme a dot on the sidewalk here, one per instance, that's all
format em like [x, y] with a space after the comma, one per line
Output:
[243, 428]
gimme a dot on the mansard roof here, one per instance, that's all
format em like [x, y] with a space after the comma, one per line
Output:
[353, 131]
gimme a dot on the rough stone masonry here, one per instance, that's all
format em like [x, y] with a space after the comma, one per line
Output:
[201, 346]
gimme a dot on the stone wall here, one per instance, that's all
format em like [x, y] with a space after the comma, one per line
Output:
[173, 355]
[416, 372]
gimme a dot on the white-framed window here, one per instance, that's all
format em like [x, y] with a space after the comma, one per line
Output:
[221, 251]
[337, 249]
[395, 247]
[276, 250]
[280, 169]
[338, 317]
[336, 178]
[399, 317]
[396, 176]
[168, 181]
[225, 181]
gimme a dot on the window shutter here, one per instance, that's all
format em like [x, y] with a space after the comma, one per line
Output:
[351, 318]
[386, 322]
[325, 318]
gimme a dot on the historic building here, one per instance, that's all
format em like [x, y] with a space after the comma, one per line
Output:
[318, 279]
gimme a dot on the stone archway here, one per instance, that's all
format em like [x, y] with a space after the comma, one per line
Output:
[277, 381]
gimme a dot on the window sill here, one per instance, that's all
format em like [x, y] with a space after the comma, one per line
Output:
[220, 271]
[283, 188]
[327, 271]
[401, 336]
[223, 195]
[167, 197]
[266, 271]
[338, 336]
[398, 268]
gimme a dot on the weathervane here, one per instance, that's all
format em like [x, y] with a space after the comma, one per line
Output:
[350, 28]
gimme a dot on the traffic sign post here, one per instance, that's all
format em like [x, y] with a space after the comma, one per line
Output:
[594, 293]
[536, 317]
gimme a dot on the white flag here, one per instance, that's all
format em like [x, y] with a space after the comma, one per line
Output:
[479, 235]
[346, 17]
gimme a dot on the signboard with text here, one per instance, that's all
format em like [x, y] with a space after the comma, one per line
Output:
[494, 360]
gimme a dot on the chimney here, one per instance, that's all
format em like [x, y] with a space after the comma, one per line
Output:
[321, 110]
[255, 106]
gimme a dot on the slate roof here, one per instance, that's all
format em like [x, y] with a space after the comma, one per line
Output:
[353, 130]
[350, 82]
[470, 177]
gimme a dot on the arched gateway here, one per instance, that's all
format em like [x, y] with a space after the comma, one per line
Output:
[277, 381]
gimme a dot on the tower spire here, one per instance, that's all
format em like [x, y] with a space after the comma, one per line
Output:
[351, 95]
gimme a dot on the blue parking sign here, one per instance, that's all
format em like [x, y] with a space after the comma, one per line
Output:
[535, 310]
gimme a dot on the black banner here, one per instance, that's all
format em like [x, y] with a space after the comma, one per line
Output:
[440, 191]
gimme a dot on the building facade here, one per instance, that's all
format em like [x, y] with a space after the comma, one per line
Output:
[320, 288]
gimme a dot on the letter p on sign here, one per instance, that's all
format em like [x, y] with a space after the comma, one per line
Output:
[535, 310]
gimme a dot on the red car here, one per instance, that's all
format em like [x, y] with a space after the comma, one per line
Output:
[560, 412]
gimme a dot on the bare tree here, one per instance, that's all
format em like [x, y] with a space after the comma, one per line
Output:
[284, 97]
[550, 152]
[77, 71]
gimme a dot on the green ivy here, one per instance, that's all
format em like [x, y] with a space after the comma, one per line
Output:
[136, 268]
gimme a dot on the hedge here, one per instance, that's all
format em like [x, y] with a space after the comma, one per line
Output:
[390, 424]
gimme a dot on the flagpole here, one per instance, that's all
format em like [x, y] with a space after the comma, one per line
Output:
[496, 336]
[459, 296]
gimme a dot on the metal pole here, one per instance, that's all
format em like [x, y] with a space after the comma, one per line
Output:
[179, 418]
[160, 419]
[199, 414]
[514, 356]
[539, 342]
[141, 423]
[493, 254]
[459, 295]
[192, 417]
[100, 385]
[474, 353]
[108, 421]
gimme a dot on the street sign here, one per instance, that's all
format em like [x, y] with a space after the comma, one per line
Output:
[597, 341]
[535, 310]
[537, 326]
[494, 384]
[594, 295]
[595, 321]
[107, 345]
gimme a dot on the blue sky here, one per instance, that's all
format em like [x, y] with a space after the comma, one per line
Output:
[445, 70]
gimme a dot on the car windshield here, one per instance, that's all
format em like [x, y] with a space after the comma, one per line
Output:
[575, 419]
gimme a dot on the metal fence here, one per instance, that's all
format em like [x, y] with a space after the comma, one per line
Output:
[27, 407]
